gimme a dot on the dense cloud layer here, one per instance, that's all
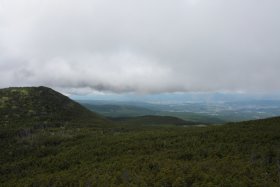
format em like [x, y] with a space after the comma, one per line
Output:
[141, 46]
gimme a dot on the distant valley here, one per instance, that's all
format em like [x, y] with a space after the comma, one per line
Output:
[213, 112]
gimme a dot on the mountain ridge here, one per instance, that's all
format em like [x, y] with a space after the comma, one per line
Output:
[43, 106]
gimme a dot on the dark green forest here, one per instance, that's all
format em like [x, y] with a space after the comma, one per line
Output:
[43, 107]
[64, 147]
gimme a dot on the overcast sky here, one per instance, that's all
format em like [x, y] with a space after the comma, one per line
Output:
[144, 46]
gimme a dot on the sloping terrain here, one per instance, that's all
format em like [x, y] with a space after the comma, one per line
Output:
[123, 110]
[152, 121]
[240, 154]
[42, 106]
[49, 140]
[119, 110]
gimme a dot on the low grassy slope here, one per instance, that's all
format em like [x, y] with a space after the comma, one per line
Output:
[241, 154]
[42, 106]
[119, 110]
[194, 117]
[152, 121]
[128, 111]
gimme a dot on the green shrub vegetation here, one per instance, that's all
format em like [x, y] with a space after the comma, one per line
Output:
[245, 154]
[152, 121]
[42, 106]
[69, 154]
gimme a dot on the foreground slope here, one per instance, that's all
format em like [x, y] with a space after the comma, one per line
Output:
[42, 106]
[240, 154]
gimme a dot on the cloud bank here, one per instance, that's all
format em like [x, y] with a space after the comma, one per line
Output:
[141, 46]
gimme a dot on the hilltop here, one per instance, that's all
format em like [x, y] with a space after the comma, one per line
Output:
[42, 106]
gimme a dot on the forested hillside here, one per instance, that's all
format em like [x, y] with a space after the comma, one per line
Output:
[42, 107]
[243, 154]
[49, 140]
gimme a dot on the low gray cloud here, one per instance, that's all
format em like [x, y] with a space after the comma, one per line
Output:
[141, 46]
